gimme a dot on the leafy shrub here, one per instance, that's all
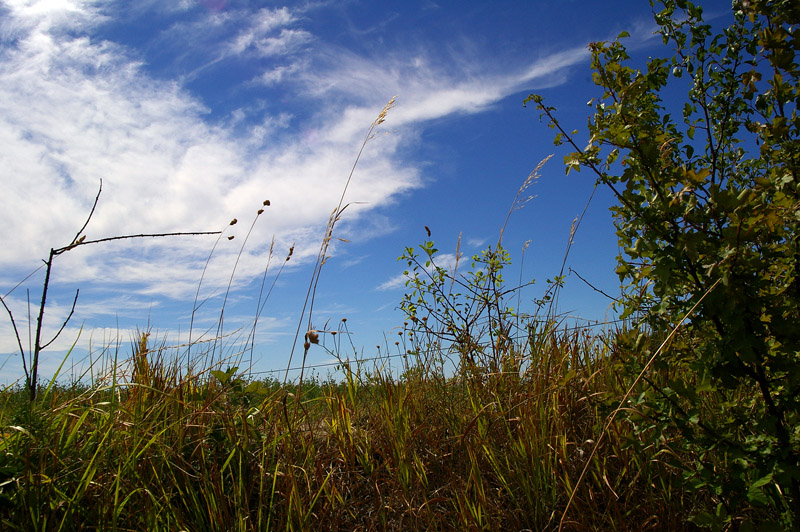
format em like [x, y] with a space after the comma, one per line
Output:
[707, 204]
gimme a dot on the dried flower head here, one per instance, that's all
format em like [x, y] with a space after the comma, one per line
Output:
[231, 237]
[266, 202]
[233, 222]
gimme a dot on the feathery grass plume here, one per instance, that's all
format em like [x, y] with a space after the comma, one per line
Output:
[519, 200]
[382, 115]
[335, 216]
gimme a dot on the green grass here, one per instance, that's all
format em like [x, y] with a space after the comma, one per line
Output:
[431, 450]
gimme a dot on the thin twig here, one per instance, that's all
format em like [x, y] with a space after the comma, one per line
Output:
[91, 213]
[25, 279]
[19, 342]
[593, 287]
[59, 251]
[63, 325]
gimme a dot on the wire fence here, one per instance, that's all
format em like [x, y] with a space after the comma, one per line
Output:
[358, 361]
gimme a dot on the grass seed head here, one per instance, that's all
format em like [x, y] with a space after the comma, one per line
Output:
[382, 116]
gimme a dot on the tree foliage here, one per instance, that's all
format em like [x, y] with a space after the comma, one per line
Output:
[707, 196]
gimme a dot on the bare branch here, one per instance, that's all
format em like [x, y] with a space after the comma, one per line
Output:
[78, 240]
[71, 312]
[593, 287]
[75, 244]
[39, 323]
[16, 332]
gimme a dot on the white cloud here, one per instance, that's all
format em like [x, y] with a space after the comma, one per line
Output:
[47, 14]
[427, 88]
[398, 281]
[79, 111]
[279, 73]
[259, 36]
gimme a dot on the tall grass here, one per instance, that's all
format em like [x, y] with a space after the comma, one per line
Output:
[165, 451]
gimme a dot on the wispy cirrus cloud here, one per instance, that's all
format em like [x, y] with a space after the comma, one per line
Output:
[430, 87]
[266, 34]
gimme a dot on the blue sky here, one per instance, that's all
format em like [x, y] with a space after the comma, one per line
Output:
[194, 112]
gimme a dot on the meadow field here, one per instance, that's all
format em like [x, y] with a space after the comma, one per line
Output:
[492, 434]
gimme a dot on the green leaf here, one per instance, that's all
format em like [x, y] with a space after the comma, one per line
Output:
[705, 520]
[756, 494]
[221, 376]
